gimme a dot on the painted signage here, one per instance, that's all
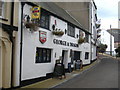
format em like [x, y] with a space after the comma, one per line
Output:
[35, 12]
[65, 43]
[42, 36]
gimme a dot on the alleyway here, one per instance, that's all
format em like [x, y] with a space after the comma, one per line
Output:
[104, 75]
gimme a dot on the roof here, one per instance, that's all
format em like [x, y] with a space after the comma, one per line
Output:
[60, 12]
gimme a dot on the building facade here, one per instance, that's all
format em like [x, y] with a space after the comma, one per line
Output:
[94, 31]
[108, 39]
[116, 33]
[41, 33]
[7, 27]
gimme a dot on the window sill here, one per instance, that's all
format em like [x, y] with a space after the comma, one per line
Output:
[3, 19]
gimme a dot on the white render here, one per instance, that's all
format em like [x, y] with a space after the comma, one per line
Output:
[94, 32]
[105, 39]
[30, 69]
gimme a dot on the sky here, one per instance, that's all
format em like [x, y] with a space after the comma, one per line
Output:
[107, 11]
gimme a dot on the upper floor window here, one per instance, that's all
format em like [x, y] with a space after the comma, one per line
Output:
[86, 37]
[71, 30]
[1, 8]
[44, 19]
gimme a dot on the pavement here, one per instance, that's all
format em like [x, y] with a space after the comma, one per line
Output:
[53, 82]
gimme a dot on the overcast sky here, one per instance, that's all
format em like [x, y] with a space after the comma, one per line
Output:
[107, 11]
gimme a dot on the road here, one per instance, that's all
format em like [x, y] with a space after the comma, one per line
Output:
[103, 75]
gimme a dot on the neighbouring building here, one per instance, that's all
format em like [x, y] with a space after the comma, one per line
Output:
[108, 39]
[95, 25]
[8, 20]
[33, 36]
[116, 33]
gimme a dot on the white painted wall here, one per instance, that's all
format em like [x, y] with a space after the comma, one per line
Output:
[105, 39]
[30, 69]
[94, 32]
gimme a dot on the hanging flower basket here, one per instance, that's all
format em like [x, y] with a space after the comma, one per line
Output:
[31, 26]
[59, 33]
[81, 40]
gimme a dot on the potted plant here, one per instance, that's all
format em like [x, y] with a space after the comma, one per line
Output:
[31, 26]
[81, 40]
[58, 32]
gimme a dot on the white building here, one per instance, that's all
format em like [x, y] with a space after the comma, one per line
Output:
[105, 39]
[94, 31]
[35, 57]
[36, 44]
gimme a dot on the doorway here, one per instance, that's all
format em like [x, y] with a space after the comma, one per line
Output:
[77, 55]
[64, 57]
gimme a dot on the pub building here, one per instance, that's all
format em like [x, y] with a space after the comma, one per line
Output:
[45, 34]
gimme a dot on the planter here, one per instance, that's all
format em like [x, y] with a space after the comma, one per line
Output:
[31, 26]
[59, 33]
[81, 40]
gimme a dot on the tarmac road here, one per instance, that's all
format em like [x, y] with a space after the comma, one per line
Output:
[103, 75]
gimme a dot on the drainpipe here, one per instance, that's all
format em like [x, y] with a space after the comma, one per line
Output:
[12, 40]
[21, 41]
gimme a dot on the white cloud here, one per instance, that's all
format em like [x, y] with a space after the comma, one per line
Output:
[108, 13]
[106, 22]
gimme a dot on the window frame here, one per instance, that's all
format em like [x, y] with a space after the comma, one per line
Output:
[46, 15]
[42, 56]
[2, 9]
[87, 37]
[71, 29]
[86, 55]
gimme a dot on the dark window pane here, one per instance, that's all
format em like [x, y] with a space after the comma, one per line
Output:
[44, 19]
[86, 55]
[43, 55]
[48, 55]
[0, 12]
[71, 30]
[1, 7]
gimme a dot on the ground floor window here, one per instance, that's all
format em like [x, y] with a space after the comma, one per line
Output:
[76, 55]
[43, 55]
[86, 55]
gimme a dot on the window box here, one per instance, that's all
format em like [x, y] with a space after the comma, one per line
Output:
[58, 32]
[31, 26]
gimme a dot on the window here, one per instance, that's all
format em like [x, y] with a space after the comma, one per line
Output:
[86, 55]
[71, 30]
[76, 55]
[43, 55]
[86, 37]
[44, 19]
[1, 8]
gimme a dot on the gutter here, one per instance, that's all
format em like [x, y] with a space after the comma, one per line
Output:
[21, 41]
[12, 40]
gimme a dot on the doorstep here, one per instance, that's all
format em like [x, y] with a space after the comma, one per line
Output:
[52, 82]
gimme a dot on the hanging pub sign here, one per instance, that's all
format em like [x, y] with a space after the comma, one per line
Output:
[42, 36]
[35, 12]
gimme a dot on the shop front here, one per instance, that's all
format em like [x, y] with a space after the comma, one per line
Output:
[53, 39]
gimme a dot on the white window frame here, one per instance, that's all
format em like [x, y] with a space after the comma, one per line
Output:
[2, 16]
